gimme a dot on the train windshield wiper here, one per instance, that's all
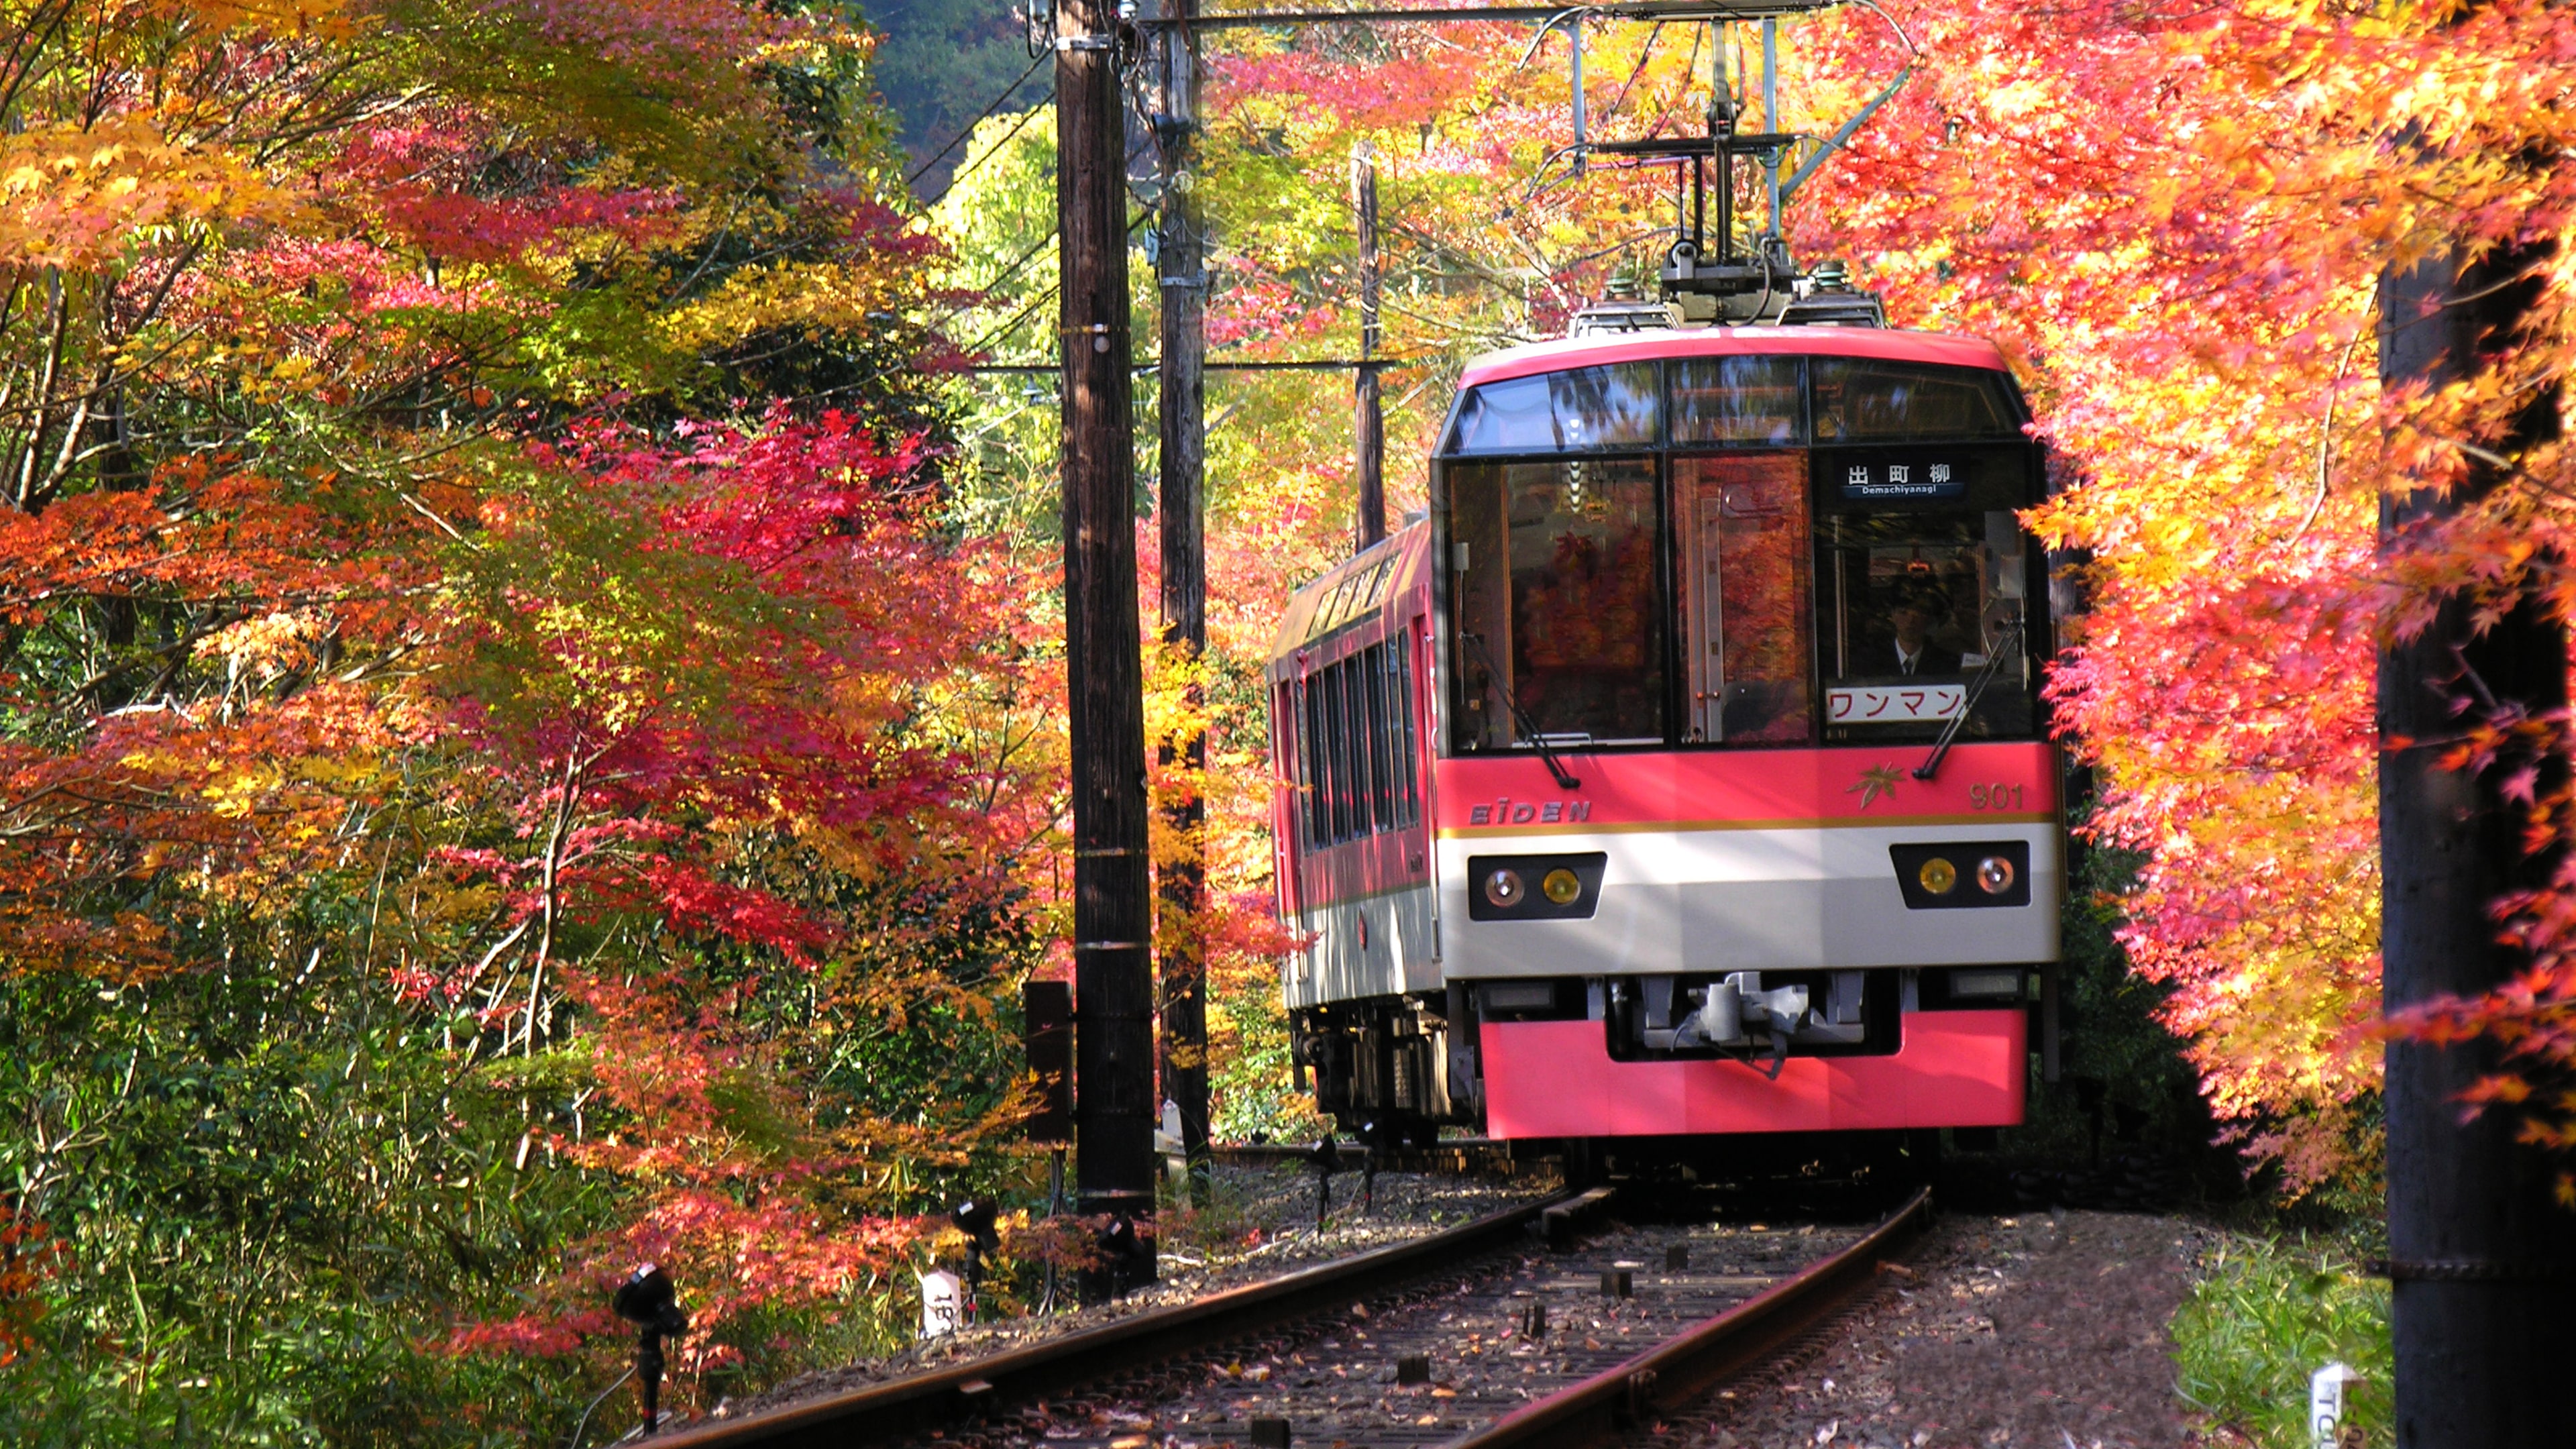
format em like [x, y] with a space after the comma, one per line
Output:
[1520, 717]
[1976, 690]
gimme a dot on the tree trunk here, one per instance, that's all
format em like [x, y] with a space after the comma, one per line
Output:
[2484, 1314]
[1181, 262]
[1368, 415]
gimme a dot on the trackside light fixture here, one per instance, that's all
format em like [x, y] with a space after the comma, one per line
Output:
[651, 1302]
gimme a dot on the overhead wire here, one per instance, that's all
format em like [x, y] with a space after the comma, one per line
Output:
[969, 128]
[1645, 53]
[991, 151]
[1013, 269]
[1017, 317]
[995, 285]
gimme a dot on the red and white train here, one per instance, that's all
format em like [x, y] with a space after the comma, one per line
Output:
[1683, 774]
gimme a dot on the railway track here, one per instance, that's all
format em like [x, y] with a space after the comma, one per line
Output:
[1462, 1155]
[1535, 1328]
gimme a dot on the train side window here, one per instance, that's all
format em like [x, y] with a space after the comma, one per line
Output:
[1356, 774]
[1353, 692]
[1287, 750]
[1355, 732]
[1337, 729]
[1382, 767]
[1312, 761]
[1337, 750]
[1400, 732]
[1757, 400]
[1557, 601]
[1328, 613]
[1744, 554]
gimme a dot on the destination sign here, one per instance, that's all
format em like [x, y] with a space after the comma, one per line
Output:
[1931, 474]
[1874, 479]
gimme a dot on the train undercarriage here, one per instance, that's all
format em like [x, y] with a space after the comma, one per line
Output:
[1396, 1070]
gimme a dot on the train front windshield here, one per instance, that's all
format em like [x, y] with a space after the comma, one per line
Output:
[1746, 550]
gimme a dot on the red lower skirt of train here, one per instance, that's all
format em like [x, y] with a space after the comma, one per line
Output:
[1556, 1079]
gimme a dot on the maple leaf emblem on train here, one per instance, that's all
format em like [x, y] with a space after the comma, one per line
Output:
[1875, 781]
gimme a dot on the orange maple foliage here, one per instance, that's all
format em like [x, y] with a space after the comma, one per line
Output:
[470, 535]
[2178, 217]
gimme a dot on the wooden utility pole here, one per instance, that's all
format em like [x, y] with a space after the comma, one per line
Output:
[1368, 416]
[2483, 1262]
[1180, 260]
[1114, 1108]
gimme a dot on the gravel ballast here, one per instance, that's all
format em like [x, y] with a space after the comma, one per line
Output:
[2035, 1331]
[1268, 1230]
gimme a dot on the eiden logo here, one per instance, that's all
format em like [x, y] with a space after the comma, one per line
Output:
[1875, 781]
[1504, 812]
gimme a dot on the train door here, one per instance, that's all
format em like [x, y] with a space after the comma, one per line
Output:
[1288, 810]
[1744, 560]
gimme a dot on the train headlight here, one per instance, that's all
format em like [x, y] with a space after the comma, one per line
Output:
[1559, 886]
[1933, 874]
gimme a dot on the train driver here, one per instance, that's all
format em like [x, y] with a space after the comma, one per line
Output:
[1908, 648]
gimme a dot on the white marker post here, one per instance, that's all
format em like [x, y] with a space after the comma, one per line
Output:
[943, 1303]
[2325, 1405]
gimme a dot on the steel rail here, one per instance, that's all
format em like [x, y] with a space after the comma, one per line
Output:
[914, 1403]
[1632, 10]
[1451, 1155]
[1619, 1400]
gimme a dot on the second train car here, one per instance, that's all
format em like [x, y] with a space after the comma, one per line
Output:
[1682, 775]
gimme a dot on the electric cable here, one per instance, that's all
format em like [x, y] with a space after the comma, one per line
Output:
[1026, 257]
[1910, 48]
[969, 129]
[991, 151]
[581, 1430]
[1017, 318]
[1645, 53]
[994, 285]
[1133, 222]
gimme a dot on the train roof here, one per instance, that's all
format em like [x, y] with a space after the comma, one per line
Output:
[1593, 351]
[1378, 575]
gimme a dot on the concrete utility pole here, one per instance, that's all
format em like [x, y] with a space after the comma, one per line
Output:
[1114, 1107]
[1368, 415]
[1181, 266]
[2483, 1262]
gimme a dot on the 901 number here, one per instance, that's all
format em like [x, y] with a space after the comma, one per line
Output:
[1994, 797]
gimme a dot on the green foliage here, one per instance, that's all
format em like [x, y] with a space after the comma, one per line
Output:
[265, 1189]
[941, 63]
[2266, 1314]
[491, 784]
[1248, 1084]
[998, 221]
